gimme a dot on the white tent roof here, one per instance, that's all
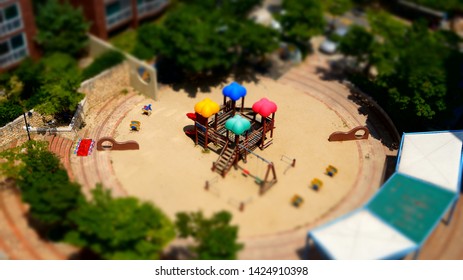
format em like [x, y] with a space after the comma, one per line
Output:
[361, 235]
[432, 157]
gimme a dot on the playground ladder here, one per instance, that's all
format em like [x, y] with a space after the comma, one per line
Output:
[225, 161]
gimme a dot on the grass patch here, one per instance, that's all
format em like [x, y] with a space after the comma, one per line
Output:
[125, 41]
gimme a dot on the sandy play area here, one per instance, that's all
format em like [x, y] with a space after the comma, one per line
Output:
[171, 172]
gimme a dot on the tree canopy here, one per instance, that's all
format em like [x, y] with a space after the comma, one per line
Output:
[357, 42]
[61, 27]
[215, 238]
[200, 40]
[446, 5]
[337, 7]
[419, 71]
[120, 228]
[301, 20]
[44, 184]
[50, 85]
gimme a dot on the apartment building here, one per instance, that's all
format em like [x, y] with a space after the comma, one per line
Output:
[109, 15]
[17, 32]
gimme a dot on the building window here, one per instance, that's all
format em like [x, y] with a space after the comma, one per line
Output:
[118, 12]
[4, 48]
[10, 19]
[113, 8]
[17, 41]
[13, 50]
[11, 12]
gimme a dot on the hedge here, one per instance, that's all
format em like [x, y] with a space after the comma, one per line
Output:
[101, 63]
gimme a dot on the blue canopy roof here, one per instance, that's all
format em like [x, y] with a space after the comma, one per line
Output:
[234, 91]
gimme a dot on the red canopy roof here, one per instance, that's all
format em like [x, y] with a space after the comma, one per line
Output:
[264, 107]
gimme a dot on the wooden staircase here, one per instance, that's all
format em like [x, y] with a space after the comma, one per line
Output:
[225, 160]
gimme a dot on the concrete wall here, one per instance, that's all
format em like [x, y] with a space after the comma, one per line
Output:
[149, 89]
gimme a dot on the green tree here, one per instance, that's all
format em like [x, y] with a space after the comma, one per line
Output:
[10, 98]
[236, 8]
[201, 41]
[9, 110]
[103, 62]
[445, 5]
[337, 7]
[44, 184]
[59, 80]
[216, 239]
[60, 97]
[358, 43]
[62, 28]
[416, 82]
[120, 228]
[301, 20]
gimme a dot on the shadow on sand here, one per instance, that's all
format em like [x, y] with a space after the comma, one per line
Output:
[378, 122]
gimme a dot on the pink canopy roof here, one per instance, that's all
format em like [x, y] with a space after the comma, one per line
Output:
[264, 107]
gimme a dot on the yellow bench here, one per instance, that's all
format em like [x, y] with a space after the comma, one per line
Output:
[316, 184]
[134, 125]
[331, 170]
[297, 200]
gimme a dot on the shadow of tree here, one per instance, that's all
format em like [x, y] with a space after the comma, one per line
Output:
[378, 122]
[335, 72]
[170, 74]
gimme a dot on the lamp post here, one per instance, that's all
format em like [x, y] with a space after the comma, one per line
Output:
[27, 127]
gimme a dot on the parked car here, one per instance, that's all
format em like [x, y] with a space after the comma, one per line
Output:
[331, 43]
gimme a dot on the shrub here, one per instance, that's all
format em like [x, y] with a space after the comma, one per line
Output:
[9, 110]
[101, 63]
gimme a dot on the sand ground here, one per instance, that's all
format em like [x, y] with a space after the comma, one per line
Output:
[171, 172]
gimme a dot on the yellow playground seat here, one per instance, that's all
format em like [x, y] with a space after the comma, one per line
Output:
[331, 170]
[297, 200]
[135, 125]
[316, 184]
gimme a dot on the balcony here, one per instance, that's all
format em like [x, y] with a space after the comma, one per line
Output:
[118, 17]
[13, 56]
[148, 7]
[10, 25]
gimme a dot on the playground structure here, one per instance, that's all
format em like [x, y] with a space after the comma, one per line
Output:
[146, 110]
[114, 145]
[357, 133]
[236, 130]
[135, 126]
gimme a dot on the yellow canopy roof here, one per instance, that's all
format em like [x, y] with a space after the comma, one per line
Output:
[207, 108]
